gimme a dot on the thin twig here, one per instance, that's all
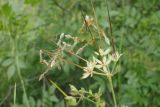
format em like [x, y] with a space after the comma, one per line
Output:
[94, 12]
[62, 8]
[110, 27]
[53, 83]
[86, 24]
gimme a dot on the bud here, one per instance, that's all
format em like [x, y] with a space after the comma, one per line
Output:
[74, 90]
[71, 101]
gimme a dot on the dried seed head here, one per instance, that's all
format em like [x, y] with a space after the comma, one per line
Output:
[89, 20]
[89, 69]
[60, 40]
[81, 49]
[102, 52]
[106, 38]
[53, 63]
[68, 36]
[116, 56]
[66, 44]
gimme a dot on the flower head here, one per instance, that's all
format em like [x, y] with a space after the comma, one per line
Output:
[103, 52]
[88, 70]
[103, 64]
[116, 56]
[88, 20]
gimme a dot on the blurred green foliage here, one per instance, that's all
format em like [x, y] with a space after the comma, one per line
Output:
[26, 26]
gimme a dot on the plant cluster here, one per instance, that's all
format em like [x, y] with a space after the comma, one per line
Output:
[102, 63]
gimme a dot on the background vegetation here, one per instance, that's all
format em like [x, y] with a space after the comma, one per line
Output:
[26, 26]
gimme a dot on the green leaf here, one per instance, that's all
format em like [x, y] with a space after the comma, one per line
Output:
[53, 98]
[6, 9]
[39, 103]
[60, 104]
[66, 68]
[17, 5]
[22, 64]
[11, 71]
[32, 2]
[7, 62]
[1, 59]
[32, 101]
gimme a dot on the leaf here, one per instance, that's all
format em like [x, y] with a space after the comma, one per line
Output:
[32, 101]
[17, 6]
[60, 104]
[22, 64]
[32, 2]
[11, 71]
[7, 62]
[6, 9]
[53, 98]
[39, 103]
[66, 68]
[1, 59]
[100, 82]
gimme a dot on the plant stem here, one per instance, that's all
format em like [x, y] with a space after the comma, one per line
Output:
[96, 19]
[112, 90]
[99, 73]
[19, 73]
[14, 98]
[22, 82]
[89, 100]
[54, 84]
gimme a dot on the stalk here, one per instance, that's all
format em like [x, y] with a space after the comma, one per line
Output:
[54, 84]
[14, 98]
[112, 90]
[19, 74]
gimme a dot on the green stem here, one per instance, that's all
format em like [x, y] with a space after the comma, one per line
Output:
[14, 98]
[53, 83]
[19, 74]
[94, 12]
[22, 82]
[102, 74]
[114, 67]
[112, 90]
[89, 100]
